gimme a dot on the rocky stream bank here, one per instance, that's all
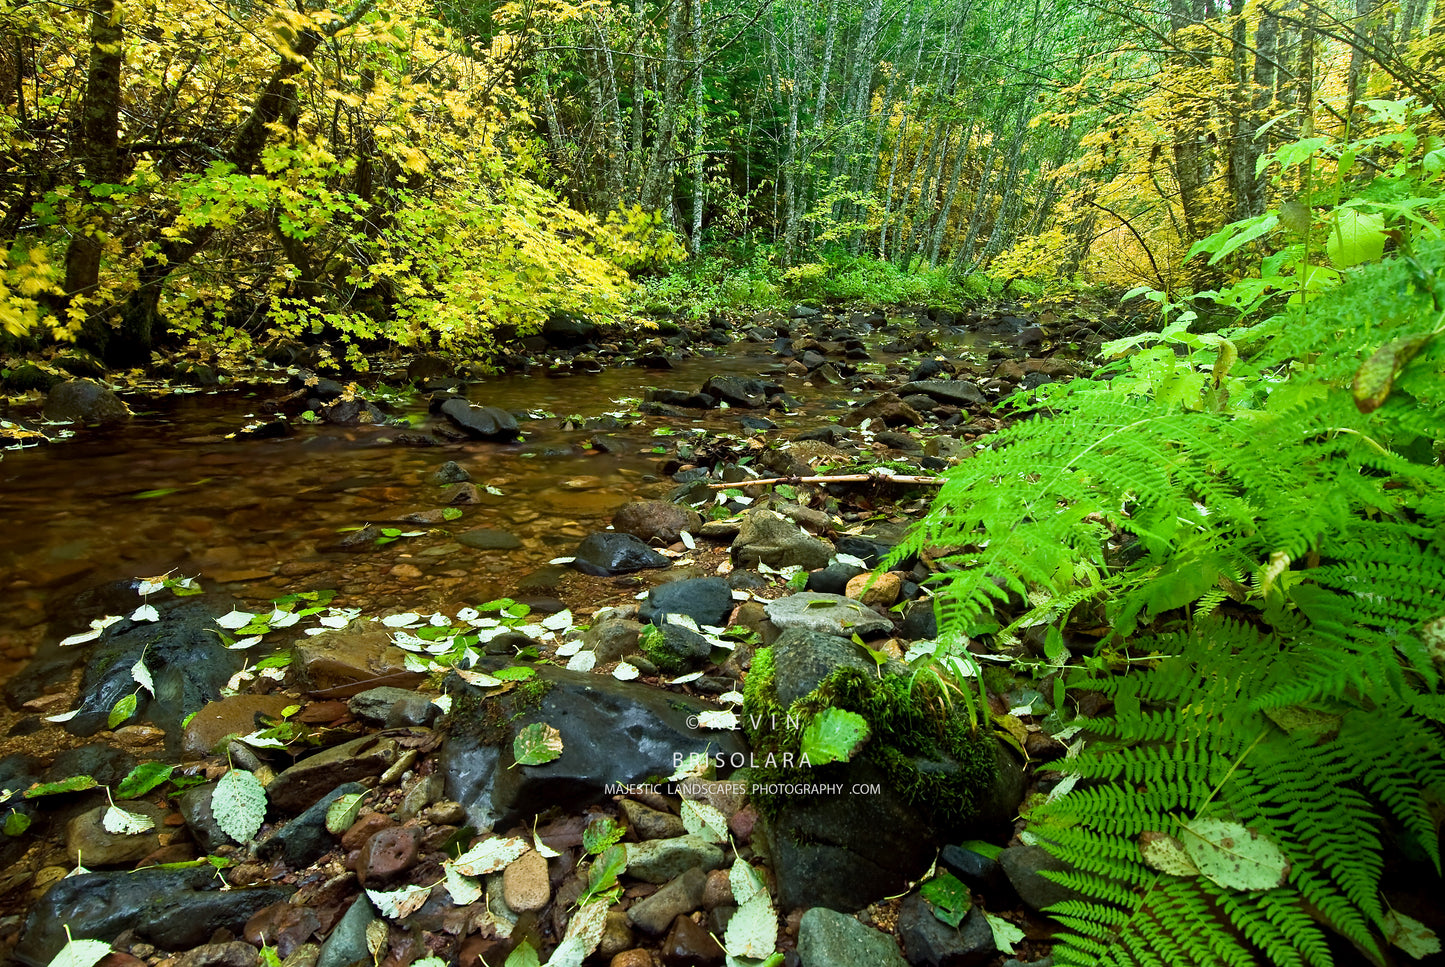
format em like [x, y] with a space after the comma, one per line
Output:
[680, 722]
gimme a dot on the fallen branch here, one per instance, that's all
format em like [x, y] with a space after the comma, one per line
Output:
[838, 478]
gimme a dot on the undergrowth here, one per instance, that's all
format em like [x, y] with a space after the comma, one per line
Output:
[1255, 519]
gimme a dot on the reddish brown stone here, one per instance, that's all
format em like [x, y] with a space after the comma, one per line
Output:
[282, 925]
[689, 945]
[364, 828]
[388, 854]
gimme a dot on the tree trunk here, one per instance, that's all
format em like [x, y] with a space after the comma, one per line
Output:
[99, 136]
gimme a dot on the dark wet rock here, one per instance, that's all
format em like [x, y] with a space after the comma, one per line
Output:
[387, 855]
[18, 772]
[829, 614]
[739, 391]
[1025, 867]
[611, 638]
[428, 366]
[308, 780]
[393, 707]
[868, 550]
[195, 806]
[171, 909]
[317, 387]
[681, 895]
[605, 554]
[1029, 338]
[898, 440]
[284, 926]
[352, 412]
[485, 539]
[664, 860]
[768, 538]
[887, 410]
[84, 401]
[757, 423]
[802, 312]
[927, 369]
[689, 945]
[929, 942]
[656, 521]
[920, 622]
[305, 839]
[266, 429]
[827, 938]
[613, 732]
[88, 842]
[361, 539]
[481, 422]
[845, 851]
[678, 398]
[186, 659]
[833, 579]
[708, 601]
[346, 944]
[450, 472]
[233, 953]
[978, 872]
[566, 330]
[952, 391]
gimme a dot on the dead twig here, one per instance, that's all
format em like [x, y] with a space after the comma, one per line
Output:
[837, 478]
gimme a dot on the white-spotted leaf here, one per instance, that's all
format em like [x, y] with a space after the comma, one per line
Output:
[705, 820]
[536, 744]
[489, 856]
[239, 805]
[399, 904]
[1234, 856]
[123, 823]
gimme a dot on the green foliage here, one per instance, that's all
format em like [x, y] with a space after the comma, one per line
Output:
[1261, 514]
[860, 280]
[600, 835]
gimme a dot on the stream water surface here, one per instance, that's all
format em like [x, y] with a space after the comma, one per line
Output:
[262, 517]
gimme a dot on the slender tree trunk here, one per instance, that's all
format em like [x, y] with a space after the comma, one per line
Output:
[99, 145]
[698, 123]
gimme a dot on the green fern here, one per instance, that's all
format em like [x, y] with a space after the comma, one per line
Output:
[1279, 546]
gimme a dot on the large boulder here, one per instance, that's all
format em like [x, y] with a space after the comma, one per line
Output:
[707, 601]
[612, 732]
[566, 331]
[656, 521]
[607, 554]
[929, 777]
[482, 422]
[830, 614]
[768, 538]
[84, 401]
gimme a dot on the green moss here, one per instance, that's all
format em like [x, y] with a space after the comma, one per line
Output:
[654, 646]
[527, 696]
[928, 753]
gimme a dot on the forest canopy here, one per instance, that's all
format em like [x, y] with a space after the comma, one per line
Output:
[416, 173]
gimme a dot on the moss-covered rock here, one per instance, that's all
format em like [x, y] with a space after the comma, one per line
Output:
[846, 833]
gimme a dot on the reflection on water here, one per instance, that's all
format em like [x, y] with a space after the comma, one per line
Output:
[262, 517]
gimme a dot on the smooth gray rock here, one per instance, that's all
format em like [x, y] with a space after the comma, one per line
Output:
[683, 894]
[827, 938]
[486, 539]
[482, 422]
[829, 614]
[1025, 867]
[661, 860]
[656, 521]
[952, 391]
[393, 707]
[929, 942]
[346, 945]
[304, 839]
[611, 638]
[708, 601]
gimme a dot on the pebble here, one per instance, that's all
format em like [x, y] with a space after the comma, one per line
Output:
[689, 945]
[655, 914]
[525, 885]
[650, 823]
[633, 958]
[660, 860]
[616, 934]
[363, 829]
[388, 854]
